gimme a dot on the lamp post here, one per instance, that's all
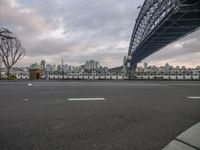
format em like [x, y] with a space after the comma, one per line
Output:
[0, 69]
[191, 73]
[129, 65]
[46, 73]
[199, 74]
[129, 71]
[62, 70]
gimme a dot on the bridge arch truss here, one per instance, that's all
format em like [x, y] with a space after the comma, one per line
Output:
[159, 23]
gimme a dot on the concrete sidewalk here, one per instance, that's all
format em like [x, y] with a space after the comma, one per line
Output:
[188, 140]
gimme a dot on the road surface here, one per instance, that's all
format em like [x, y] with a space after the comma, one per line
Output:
[94, 115]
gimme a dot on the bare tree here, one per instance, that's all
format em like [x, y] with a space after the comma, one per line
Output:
[11, 50]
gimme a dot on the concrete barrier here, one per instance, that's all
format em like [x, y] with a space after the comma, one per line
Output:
[119, 76]
[108, 76]
[173, 77]
[85, 76]
[188, 77]
[96, 76]
[102, 76]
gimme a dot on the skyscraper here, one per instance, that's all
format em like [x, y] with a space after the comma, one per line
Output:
[92, 66]
[145, 67]
[42, 64]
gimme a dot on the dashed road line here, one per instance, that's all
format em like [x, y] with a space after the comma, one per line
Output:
[86, 99]
[193, 97]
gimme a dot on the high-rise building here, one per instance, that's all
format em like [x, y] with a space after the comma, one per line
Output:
[49, 67]
[42, 64]
[59, 68]
[73, 68]
[66, 68]
[167, 66]
[92, 66]
[70, 68]
[87, 65]
[81, 69]
[145, 67]
[54, 68]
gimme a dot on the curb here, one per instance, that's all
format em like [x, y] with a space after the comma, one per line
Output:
[188, 140]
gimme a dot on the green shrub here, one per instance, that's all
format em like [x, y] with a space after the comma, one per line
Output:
[9, 78]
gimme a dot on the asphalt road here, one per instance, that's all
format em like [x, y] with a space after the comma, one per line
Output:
[135, 115]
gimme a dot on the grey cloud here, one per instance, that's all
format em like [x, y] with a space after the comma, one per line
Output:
[20, 20]
[92, 29]
[77, 53]
[90, 15]
[112, 59]
[91, 24]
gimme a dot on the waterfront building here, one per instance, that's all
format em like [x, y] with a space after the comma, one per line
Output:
[36, 72]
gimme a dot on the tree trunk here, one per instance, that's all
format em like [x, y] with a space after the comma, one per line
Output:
[8, 72]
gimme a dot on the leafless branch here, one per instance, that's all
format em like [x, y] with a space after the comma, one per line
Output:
[11, 52]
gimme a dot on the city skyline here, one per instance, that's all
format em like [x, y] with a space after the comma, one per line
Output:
[75, 31]
[92, 67]
[46, 64]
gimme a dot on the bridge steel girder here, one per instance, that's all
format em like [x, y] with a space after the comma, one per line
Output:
[160, 23]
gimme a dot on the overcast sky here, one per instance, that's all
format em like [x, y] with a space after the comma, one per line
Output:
[80, 30]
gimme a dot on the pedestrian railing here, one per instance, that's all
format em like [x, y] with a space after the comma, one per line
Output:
[112, 76]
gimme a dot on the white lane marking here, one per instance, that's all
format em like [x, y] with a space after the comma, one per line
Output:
[86, 99]
[57, 127]
[26, 99]
[193, 97]
[29, 84]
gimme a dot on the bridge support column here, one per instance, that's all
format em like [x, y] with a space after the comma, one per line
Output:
[132, 72]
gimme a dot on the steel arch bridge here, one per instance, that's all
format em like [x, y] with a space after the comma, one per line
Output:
[159, 23]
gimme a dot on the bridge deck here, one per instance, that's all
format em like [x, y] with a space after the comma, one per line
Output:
[177, 24]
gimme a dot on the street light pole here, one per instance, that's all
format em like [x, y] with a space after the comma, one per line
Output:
[199, 75]
[0, 68]
[62, 70]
